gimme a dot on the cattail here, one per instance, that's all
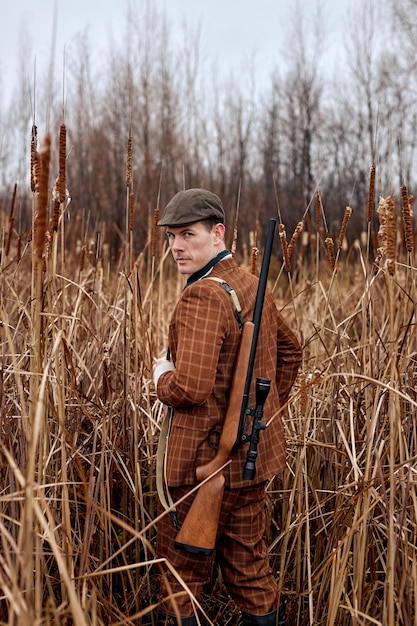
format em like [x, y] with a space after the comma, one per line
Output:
[11, 221]
[131, 211]
[410, 206]
[36, 170]
[318, 212]
[46, 249]
[254, 259]
[371, 192]
[284, 246]
[9, 237]
[382, 220]
[235, 231]
[390, 234]
[62, 176]
[408, 219]
[129, 162]
[298, 230]
[55, 215]
[33, 152]
[43, 187]
[330, 251]
[377, 262]
[82, 257]
[346, 216]
[155, 231]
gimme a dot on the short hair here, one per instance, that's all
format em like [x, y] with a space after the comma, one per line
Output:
[210, 223]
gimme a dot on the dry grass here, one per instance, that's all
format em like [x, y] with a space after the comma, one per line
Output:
[80, 421]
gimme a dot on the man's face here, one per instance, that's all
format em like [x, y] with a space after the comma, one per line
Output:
[193, 246]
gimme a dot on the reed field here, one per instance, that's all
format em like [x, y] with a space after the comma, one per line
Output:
[80, 418]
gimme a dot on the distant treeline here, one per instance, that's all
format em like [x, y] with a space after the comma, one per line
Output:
[266, 150]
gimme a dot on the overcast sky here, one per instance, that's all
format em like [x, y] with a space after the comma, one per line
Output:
[232, 31]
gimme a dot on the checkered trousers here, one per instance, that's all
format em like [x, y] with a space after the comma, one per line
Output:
[240, 552]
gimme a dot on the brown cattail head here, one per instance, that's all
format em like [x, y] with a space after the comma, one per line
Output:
[254, 259]
[43, 191]
[377, 261]
[410, 206]
[33, 152]
[9, 237]
[55, 215]
[298, 230]
[235, 233]
[284, 246]
[155, 231]
[407, 219]
[382, 221]
[318, 212]
[36, 170]
[386, 210]
[129, 162]
[330, 251]
[82, 257]
[62, 173]
[346, 216]
[13, 202]
[391, 235]
[131, 224]
[371, 193]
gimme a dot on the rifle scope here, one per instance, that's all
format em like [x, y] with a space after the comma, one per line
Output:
[263, 386]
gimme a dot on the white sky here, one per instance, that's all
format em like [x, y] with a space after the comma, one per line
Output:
[233, 32]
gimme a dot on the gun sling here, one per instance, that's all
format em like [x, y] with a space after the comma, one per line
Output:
[161, 483]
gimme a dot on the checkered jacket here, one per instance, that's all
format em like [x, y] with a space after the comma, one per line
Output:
[203, 339]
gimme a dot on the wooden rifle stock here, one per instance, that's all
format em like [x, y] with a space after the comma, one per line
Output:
[199, 529]
[198, 532]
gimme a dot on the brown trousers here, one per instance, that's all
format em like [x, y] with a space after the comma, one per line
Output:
[240, 552]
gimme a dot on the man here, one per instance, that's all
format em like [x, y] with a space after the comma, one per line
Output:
[203, 342]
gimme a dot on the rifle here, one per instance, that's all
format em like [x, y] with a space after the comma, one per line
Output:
[199, 529]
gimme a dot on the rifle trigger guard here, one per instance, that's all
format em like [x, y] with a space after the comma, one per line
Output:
[213, 437]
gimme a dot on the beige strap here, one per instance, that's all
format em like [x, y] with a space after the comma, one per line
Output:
[161, 482]
[233, 295]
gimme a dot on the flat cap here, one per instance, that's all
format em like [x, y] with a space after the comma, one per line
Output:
[192, 205]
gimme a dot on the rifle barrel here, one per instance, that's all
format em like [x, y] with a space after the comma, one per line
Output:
[257, 316]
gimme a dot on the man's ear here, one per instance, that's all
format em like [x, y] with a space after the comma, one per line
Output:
[218, 231]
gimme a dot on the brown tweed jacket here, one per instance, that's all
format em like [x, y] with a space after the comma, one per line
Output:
[203, 340]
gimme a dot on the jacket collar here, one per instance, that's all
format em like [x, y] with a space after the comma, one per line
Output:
[204, 271]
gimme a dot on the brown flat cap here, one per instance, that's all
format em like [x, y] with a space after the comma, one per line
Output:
[192, 205]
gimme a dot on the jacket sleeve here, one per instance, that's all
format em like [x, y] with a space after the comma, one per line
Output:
[200, 326]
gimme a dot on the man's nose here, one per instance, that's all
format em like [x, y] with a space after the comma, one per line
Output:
[176, 244]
